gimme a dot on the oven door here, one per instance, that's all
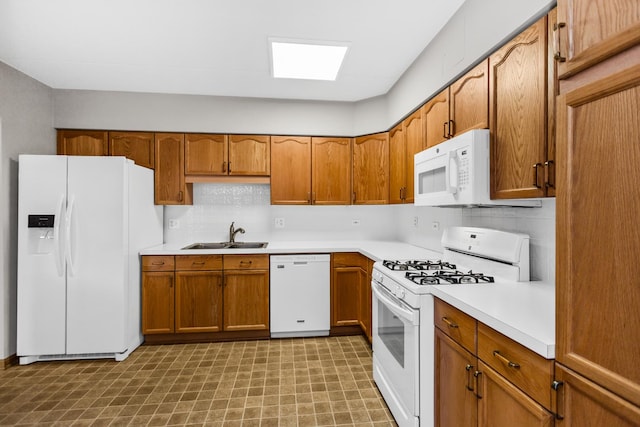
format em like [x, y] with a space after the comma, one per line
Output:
[396, 329]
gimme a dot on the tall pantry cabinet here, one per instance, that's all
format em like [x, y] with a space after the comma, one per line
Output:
[598, 197]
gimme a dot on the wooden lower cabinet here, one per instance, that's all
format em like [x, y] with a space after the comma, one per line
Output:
[158, 302]
[351, 293]
[501, 404]
[456, 402]
[581, 402]
[246, 297]
[469, 389]
[196, 298]
[198, 301]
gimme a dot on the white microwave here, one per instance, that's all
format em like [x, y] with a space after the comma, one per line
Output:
[456, 173]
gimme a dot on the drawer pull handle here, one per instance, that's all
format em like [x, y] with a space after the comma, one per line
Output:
[449, 323]
[197, 263]
[157, 263]
[506, 361]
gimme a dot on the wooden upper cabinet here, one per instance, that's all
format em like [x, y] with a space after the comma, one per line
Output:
[330, 171]
[83, 143]
[205, 154]
[249, 155]
[517, 110]
[170, 186]
[590, 31]
[137, 146]
[414, 143]
[469, 101]
[371, 169]
[597, 327]
[397, 167]
[290, 170]
[436, 119]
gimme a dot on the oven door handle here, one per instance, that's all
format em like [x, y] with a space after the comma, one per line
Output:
[395, 305]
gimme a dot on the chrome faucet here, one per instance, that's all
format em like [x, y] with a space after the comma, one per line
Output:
[233, 232]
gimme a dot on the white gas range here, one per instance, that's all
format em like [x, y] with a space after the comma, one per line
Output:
[403, 326]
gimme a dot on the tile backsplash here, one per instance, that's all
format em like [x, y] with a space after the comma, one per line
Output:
[217, 205]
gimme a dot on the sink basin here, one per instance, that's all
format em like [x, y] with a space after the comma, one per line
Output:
[246, 245]
[227, 245]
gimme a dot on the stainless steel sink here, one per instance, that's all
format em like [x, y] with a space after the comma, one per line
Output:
[227, 245]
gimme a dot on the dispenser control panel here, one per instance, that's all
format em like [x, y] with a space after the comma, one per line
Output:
[41, 221]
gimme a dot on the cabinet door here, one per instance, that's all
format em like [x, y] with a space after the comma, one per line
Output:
[249, 155]
[83, 143]
[198, 301]
[469, 101]
[501, 404]
[580, 402]
[137, 146]
[345, 296]
[170, 187]
[517, 102]
[291, 170]
[365, 302]
[331, 171]
[414, 143]
[435, 115]
[371, 169]
[205, 154]
[397, 159]
[598, 199]
[456, 403]
[246, 300]
[157, 302]
[593, 30]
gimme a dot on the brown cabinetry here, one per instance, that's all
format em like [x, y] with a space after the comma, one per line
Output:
[590, 31]
[371, 169]
[405, 140]
[246, 292]
[520, 157]
[436, 119]
[351, 293]
[500, 384]
[597, 328]
[205, 297]
[206, 154]
[249, 155]
[290, 170]
[83, 142]
[170, 185]
[137, 146]
[330, 171]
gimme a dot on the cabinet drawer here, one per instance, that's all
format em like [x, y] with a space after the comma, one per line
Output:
[527, 370]
[199, 262]
[158, 263]
[244, 262]
[458, 325]
[349, 259]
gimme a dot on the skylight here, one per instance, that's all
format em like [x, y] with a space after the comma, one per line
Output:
[304, 60]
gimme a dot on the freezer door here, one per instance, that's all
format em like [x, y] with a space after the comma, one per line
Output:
[42, 186]
[97, 254]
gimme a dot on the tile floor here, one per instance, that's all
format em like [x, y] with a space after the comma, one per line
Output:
[287, 382]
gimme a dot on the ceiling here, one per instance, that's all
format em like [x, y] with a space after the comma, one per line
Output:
[214, 47]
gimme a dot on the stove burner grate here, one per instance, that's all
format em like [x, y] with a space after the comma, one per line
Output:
[442, 277]
[418, 265]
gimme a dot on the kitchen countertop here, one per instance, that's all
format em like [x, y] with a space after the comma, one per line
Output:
[524, 312]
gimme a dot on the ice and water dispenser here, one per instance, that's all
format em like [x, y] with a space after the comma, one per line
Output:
[41, 234]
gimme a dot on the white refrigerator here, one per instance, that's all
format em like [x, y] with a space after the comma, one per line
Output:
[82, 221]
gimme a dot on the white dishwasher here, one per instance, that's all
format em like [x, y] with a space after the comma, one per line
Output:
[299, 298]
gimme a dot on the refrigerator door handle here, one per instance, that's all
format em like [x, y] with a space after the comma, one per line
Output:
[59, 247]
[69, 223]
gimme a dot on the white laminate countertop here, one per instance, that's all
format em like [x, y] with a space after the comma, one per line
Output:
[524, 312]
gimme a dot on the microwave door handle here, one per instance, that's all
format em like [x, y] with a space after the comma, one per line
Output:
[451, 175]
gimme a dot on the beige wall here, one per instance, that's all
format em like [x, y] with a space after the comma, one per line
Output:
[26, 126]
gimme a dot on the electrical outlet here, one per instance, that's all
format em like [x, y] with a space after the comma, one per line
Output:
[355, 222]
[174, 224]
[415, 221]
[435, 226]
[279, 222]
